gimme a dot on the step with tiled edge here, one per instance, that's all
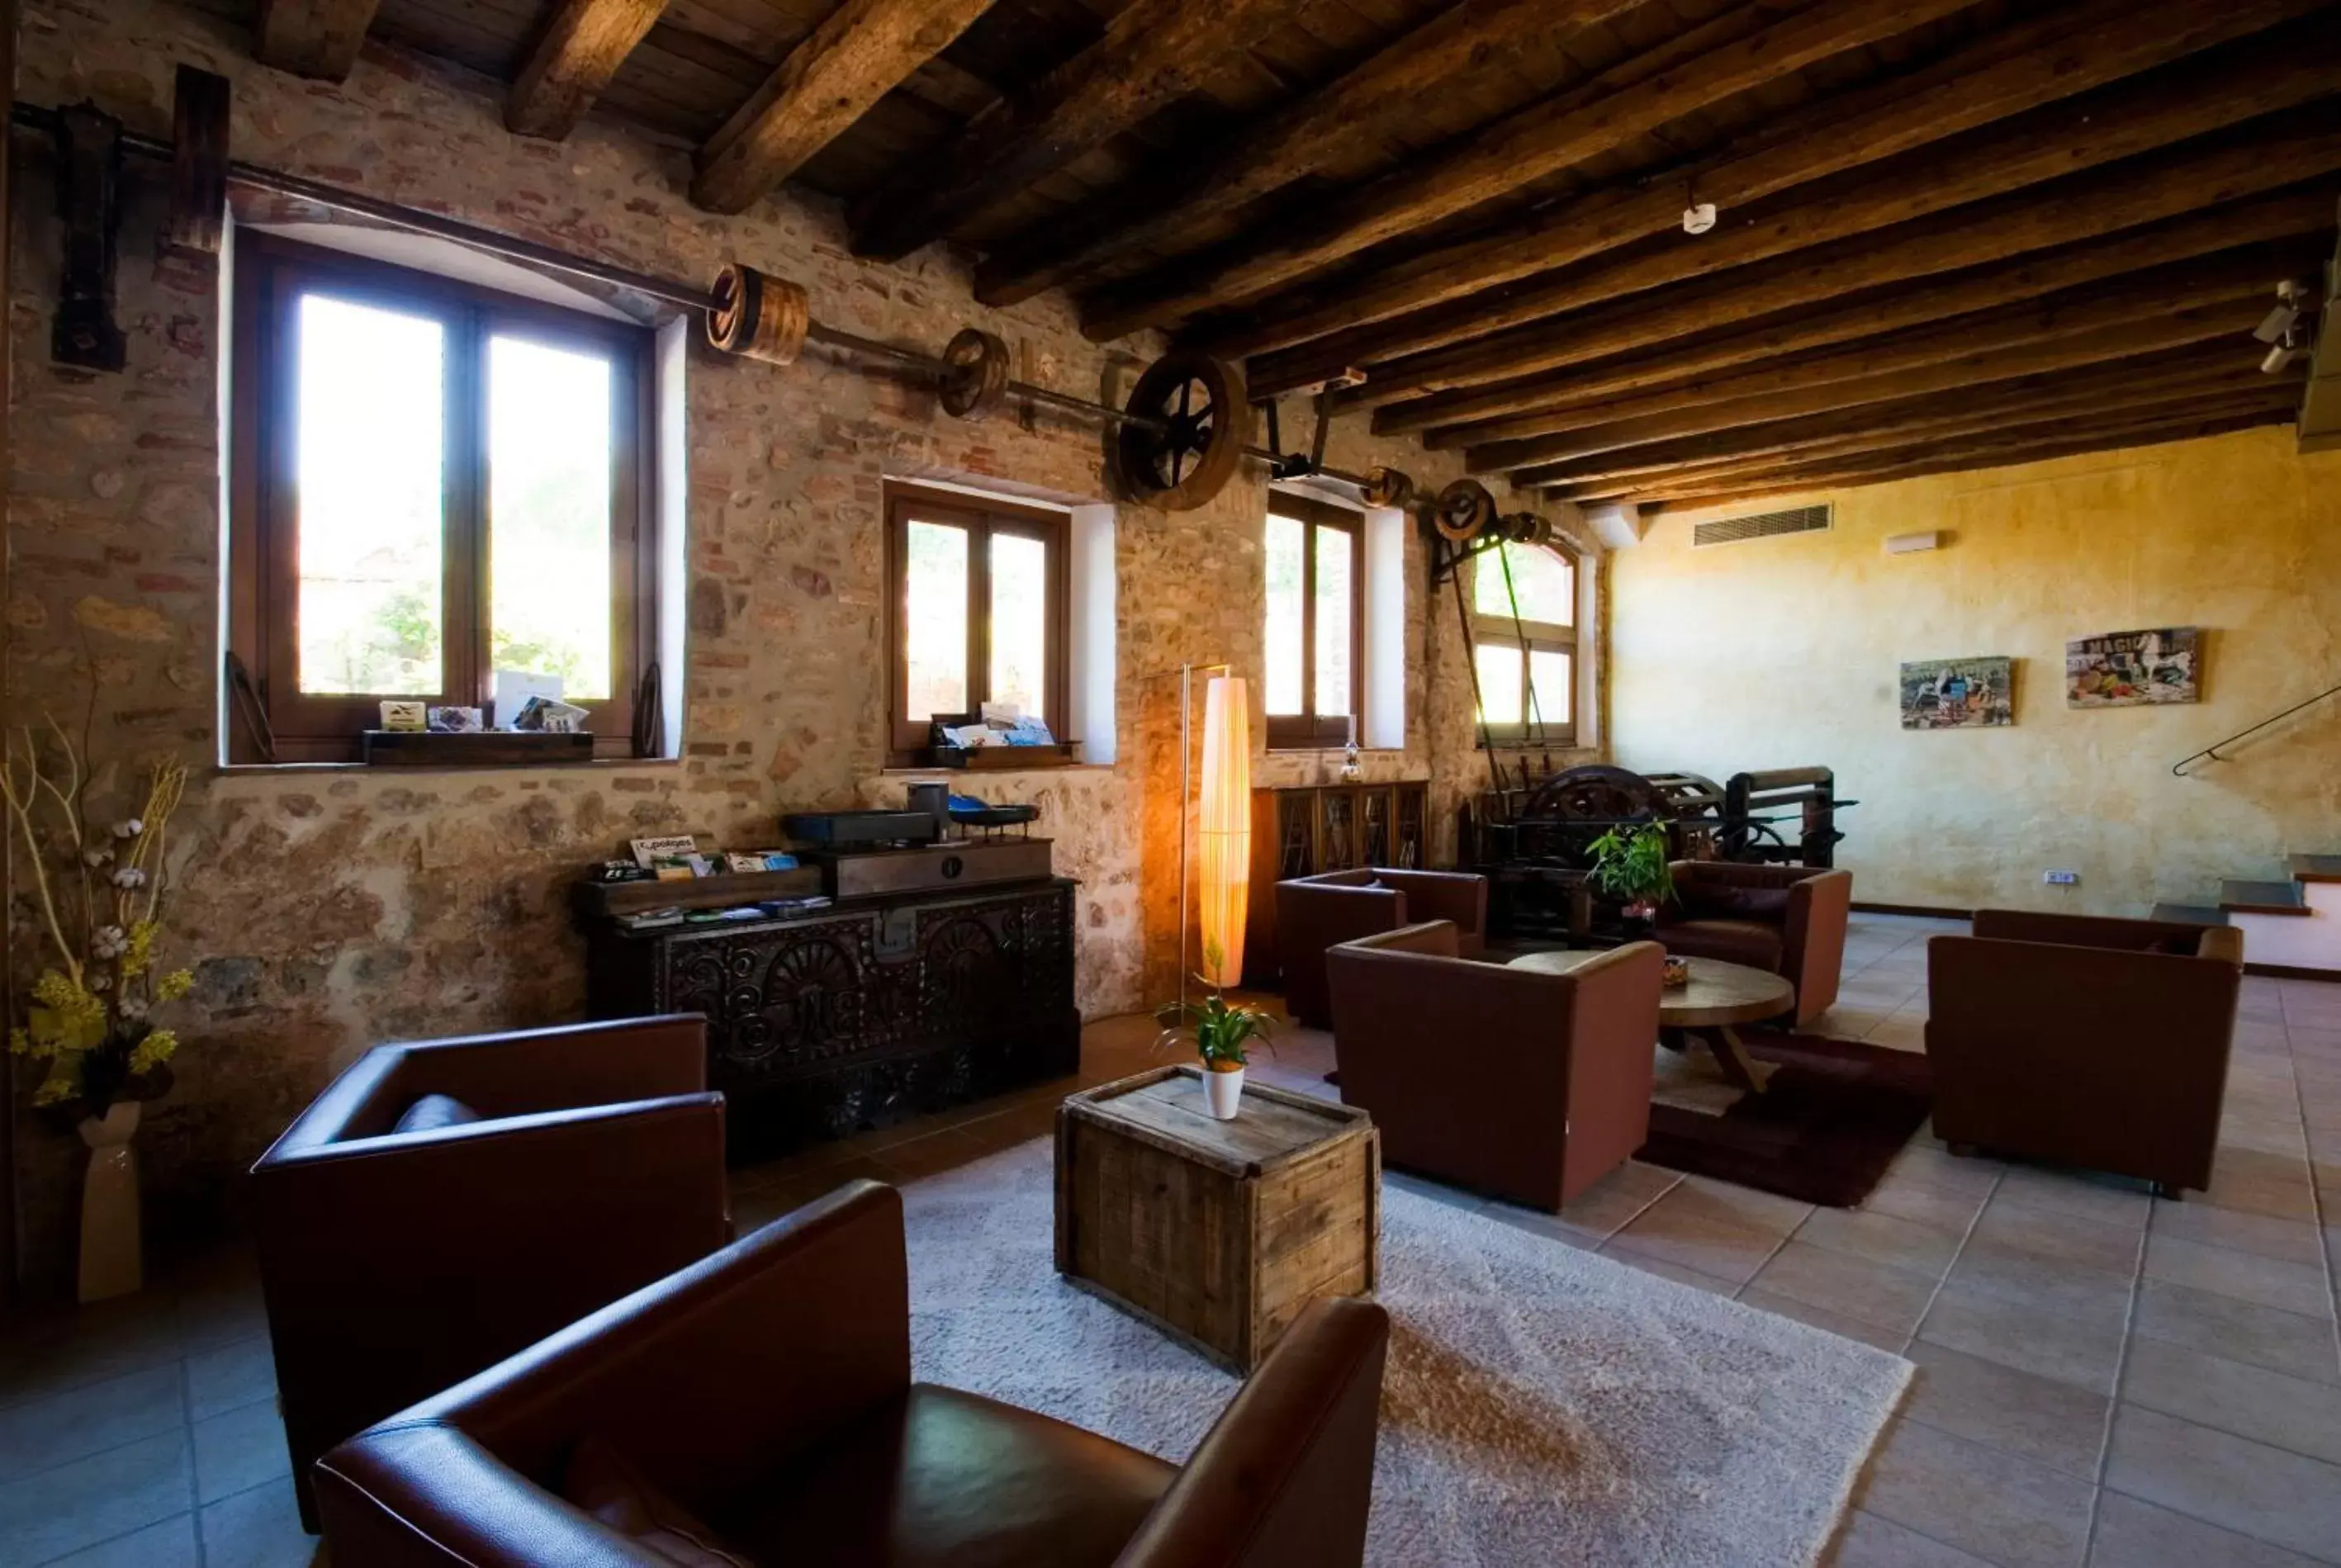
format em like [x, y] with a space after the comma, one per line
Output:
[2263, 899]
[2190, 915]
[2316, 868]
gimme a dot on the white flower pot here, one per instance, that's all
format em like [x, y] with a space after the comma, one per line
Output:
[109, 1204]
[1222, 1093]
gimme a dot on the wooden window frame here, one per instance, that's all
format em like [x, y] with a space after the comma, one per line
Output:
[909, 739]
[1531, 636]
[1308, 731]
[270, 274]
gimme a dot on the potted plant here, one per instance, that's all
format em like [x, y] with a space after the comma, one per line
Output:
[1218, 1031]
[98, 890]
[1629, 865]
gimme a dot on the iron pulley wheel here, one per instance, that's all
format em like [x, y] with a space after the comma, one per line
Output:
[975, 374]
[1463, 511]
[1387, 487]
[757, 316]
[1189, 415]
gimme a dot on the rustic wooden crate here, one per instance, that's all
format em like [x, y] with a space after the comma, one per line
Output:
[1217, 1233]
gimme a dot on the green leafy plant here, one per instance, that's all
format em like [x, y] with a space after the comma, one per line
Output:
[1630, 864]
[1218, 1028]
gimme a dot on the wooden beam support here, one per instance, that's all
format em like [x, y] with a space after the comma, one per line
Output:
[1514, 410]
[2127, 120]
[1540, 139]
[316, 38]
[2007, 71]
[1162, 208]
[580, 50]
[1954, 458]
[2201, 371]
[2077, 314]
[859, 53]
[1153, 54]
[2117, 341]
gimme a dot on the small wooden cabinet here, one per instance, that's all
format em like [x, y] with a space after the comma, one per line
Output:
[1298, 832]
[872, 1011]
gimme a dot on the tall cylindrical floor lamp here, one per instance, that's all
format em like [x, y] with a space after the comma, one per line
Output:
[1222, 823]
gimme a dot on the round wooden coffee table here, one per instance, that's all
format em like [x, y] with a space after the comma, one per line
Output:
[1718, 996]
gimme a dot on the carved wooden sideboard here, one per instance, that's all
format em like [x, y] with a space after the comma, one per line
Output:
[864, 1014]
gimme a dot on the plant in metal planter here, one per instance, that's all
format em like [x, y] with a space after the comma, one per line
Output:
[1219, 1029]
[1630, 865]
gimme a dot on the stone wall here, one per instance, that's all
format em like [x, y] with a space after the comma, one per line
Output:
[324, 908]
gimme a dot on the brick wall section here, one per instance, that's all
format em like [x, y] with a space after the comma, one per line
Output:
[326, 909]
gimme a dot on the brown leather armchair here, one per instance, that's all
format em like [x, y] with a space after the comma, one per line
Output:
[1525, 1085]
[2093, 1042]
[1789, 921]
[759, 1404]
[543, 1173]
[1313, 913]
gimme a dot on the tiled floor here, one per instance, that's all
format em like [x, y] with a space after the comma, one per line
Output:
[2104, 1378]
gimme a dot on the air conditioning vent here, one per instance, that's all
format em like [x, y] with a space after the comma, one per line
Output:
[1761, 525]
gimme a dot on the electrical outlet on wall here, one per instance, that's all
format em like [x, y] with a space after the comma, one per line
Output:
[2061, 878]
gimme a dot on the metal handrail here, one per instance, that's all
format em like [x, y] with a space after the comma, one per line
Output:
[2179, 769]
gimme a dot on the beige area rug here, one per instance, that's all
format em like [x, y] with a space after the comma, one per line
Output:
[1542, 1404]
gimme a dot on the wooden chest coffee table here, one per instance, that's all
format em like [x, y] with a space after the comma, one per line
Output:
[1719, 995]
[1217, 1233]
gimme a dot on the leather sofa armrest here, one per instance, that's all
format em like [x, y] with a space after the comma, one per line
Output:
[1458, 896]
[1284, 1478]
[525, 1070]
[2109, 932]
[1434, 938]
[2099, 1020]
[421, 1494]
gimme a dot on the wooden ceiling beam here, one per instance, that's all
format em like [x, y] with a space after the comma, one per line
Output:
[1952, 458]
[2134, 119]
[2117, 341]
[2076, 314]
[1164, 205]
[2008, 71]
[2145, 381]
[1517, 409]
[580, 50]
[1153, 54]
[837, 74]
[316, 38]
[1536, 142]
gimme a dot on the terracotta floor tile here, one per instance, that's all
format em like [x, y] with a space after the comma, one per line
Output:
[260, 1529]
[2250, 1488]
[1912, 1199]
[238, 1450]
[1884, 1238]
[2249, 1401]
[2287, 1287]
[169, 1544]
[229, 1375]
[96, 1499]
[2005, 1510]
[66, 1349]
[1608, 1204]
[2029, 1336]
[1721, 1231]
[1822, 1318]
[1867, 1541]
[2132, 1534]
[2090, 1195]
[1869, 1291]
[1666, 1270]
[1938, 1167]
[2095, 1296]
[2036, 1418]
[2009, 1221]
[62, 1427]
[2244, 1331]
[2287, 1240]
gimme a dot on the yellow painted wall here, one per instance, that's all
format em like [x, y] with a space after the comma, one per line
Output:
[1782, 652]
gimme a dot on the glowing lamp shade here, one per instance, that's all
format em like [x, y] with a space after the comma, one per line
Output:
[1223, 828]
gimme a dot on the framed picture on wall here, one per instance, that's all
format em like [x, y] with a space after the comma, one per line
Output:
[1958, 693]
[2132, 669]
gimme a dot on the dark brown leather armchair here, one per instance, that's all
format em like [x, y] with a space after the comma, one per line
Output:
[556, 1170]
[1788, 920]
[1313, 913]
[2093, 1042]
[761, 1405]
[1527, 1086]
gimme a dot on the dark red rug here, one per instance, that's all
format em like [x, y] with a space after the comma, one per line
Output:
[1831, 1118]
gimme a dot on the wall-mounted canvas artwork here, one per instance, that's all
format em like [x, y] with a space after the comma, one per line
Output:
[1958, 693]
[2125, 669]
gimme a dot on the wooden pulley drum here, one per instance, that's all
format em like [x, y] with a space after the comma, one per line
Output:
[200, 103]
[1184, 433]
[757, 316]
[1387, 487]
[1463, 511]
[975, 374]
[1524, 528]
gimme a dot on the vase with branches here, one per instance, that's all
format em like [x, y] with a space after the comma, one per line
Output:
[98, 890]
[1630, 865]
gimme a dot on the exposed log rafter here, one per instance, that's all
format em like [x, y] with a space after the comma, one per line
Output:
[581, 49]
